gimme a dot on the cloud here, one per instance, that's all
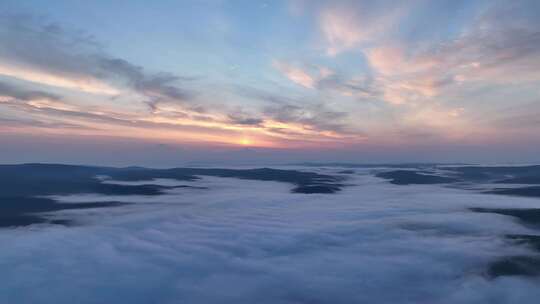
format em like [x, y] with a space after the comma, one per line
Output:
[315, 118]
[361, 87]
[325, 79]
[403, 78]
[8, 123]
[295, 74]
[491, 51]
[15, 92]
[158, 88]
[341, 31]
[61, 117]
[286, 114]
[38, 51]
[75, 61]
[262, 128]
[242, 241]
[86, 84]
[243, 120]
[348, 25]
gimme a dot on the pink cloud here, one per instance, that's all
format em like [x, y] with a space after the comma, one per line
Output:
[295, 74]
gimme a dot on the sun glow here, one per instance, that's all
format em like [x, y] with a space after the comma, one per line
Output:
[245, 141]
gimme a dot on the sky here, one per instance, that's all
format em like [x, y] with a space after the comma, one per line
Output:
[179, 82]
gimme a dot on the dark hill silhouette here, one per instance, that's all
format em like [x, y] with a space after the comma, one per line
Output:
[22, 184]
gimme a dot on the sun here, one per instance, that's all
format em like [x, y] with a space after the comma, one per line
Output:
[245, 141]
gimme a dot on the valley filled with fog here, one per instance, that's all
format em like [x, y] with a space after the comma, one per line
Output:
[253, 239]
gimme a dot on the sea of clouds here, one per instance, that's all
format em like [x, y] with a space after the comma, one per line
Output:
[241, 241]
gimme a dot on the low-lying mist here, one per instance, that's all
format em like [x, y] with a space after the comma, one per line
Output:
[227, 240]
